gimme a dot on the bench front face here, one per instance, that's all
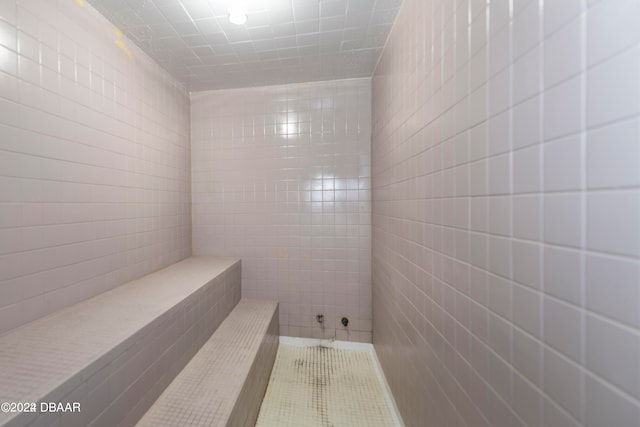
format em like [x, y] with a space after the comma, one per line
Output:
[115, 353]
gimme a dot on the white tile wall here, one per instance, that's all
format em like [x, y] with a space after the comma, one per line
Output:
[281, 179]
[506, 214]
[94, 159]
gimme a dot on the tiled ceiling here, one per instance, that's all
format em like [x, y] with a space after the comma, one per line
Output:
[283, 41]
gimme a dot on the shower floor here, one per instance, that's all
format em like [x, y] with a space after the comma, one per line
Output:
[319, 386]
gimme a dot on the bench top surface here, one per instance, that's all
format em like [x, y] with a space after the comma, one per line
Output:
[38, 357]
[203, 394]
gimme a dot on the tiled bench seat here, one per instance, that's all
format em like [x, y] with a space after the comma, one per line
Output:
[225, 382]
[116, 353]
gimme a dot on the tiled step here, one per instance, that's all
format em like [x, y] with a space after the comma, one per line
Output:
[224, 383]
[115, 353]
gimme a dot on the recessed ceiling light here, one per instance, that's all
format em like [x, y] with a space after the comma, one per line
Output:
[237, 14]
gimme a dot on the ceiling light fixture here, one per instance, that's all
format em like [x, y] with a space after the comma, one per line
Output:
[237, 14]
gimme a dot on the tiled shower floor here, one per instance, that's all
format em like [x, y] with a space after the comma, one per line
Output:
[318, 386]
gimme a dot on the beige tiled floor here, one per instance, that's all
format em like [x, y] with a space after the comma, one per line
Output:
[317, 386]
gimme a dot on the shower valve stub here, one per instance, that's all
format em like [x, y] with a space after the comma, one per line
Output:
[320, 318]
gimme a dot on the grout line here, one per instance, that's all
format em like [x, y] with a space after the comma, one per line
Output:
[584, 313]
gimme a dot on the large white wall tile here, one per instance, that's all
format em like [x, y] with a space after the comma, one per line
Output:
[527, 176]
[611, 28]
[526, 75]
[563, 53]
[621, 367]
[612, 222]
[613, 86]
[562, 109]
[563, 160]
[608, 406]
[612, 288]
[562, 219]
[562, 273]
[526, 28]
[527, 128]
[563, 328]
[612, 155]
[563, 380]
